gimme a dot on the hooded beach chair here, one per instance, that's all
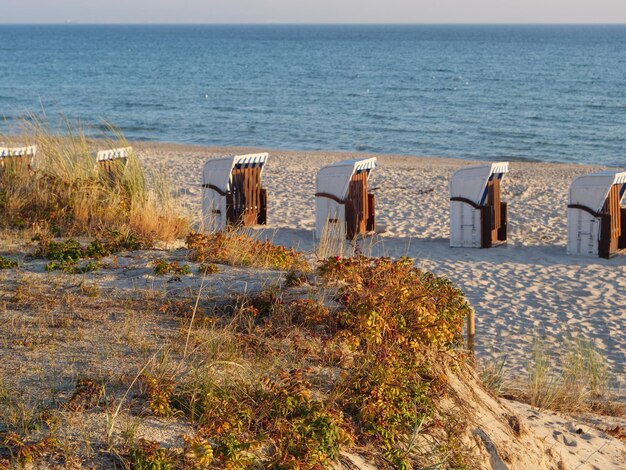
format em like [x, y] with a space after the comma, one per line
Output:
[113, 161]
[17, 160]
[342, 200]
[478, 217]
[232, 193]
[596, 222]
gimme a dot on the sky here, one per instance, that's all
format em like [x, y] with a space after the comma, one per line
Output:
[313, 11]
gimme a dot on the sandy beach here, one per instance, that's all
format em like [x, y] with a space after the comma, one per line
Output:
[284, 330]
[528, 289]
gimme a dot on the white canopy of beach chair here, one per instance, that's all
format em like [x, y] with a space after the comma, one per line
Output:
[334, 181]
[470, 184]
[18, 151]
[113, 154]
[23, 151]
[591, 190]
[216, 180]
[587, 195]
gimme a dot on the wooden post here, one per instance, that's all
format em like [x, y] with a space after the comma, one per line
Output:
[471, 331]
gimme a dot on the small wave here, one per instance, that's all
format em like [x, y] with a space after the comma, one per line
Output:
[104, 127]
[224, 109]
[139, 105]
[137, 128]
[608, 107]
[10, 99]
[518, 158]
[376, 115]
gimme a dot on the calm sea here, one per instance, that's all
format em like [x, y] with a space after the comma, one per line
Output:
[550, 93]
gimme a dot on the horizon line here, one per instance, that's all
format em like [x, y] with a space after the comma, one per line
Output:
[298, 23]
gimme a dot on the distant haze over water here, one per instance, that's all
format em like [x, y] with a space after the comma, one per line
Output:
[548, 93]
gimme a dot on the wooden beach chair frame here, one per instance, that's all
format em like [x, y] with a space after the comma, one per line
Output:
[112, 162]
[478, 216]
[232, 192]
[596, 221]
[344, 199]
[17, 160]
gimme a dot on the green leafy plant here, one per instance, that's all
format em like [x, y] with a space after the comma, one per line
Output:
[65, 255]
[6, 263]
[197, 451]
[71, 267]
[149, 455]
[160, 395]
[376, 365]
[295, 278]
[208, 268]
[162, 267]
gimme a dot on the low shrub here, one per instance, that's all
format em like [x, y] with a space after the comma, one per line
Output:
[65, 255]
[396, 305]
[108, 242]
[393, 316]
[7, 263]
[87, 395]
[149, 455]
[71, 267]
[295, 278]
[162, 267]
[208, 268]
[24, 452]
[281, 416]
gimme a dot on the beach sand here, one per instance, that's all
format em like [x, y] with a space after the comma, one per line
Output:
[528, 289]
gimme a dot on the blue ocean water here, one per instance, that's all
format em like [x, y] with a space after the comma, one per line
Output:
[549, 93]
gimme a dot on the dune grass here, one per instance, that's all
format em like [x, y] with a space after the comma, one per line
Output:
[572, 379]
[576, 379]
[67, 193]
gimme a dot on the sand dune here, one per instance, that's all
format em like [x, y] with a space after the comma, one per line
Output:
[528, 288]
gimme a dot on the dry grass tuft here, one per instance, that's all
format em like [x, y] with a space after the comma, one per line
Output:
[67, 193]
[240, 248]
